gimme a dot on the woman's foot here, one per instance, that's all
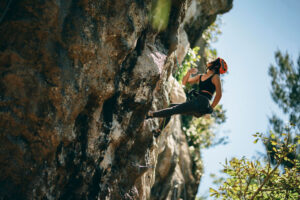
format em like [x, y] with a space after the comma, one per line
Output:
[149, 115]
[156, 133]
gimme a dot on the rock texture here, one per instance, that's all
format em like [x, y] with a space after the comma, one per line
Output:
[76, 79]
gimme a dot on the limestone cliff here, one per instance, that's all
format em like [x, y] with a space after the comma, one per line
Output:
[77, 78]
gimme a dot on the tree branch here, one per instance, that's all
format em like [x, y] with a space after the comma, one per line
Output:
[269, 174]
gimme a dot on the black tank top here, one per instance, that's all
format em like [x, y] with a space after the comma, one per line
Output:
[207, 85]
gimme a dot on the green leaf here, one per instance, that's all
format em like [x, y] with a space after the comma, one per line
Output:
[255, 141]
[272, 136]
[213, 192]
[274, 143]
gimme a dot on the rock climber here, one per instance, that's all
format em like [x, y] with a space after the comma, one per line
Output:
[209, 83]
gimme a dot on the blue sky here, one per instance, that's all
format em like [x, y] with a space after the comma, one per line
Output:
[251, 32]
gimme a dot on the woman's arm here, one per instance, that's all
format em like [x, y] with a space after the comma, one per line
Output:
[217, 82]
[188, 79]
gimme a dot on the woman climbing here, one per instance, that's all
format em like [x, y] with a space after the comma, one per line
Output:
[208, 84]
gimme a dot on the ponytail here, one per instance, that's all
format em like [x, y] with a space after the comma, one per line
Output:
[215, 66]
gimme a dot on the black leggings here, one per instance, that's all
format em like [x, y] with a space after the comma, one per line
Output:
[196, 107]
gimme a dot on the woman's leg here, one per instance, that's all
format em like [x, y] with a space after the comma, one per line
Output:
[173, 104]
[167, 119]
[183, 108]
[197, 107]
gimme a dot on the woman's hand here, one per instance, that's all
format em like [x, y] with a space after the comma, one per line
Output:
[188, 79]
[193, 70]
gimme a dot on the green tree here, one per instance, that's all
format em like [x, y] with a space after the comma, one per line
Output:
[255, 180]
[190, 61]
[285, 92]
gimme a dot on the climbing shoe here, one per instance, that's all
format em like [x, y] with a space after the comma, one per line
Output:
[149, 115]
[156, 133]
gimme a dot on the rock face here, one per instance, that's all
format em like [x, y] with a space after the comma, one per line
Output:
[77, 78]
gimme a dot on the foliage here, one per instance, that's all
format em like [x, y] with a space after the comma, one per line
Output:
[192, 58]
[190, 61]
[286, 87]
[286, 94]
[159, 16]
[210, 35]
[201, 198]
[261, 180]
[201, 130]
[201, 134]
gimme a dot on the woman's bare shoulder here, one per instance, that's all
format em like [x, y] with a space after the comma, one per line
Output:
[198, 77]
[216, 77]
